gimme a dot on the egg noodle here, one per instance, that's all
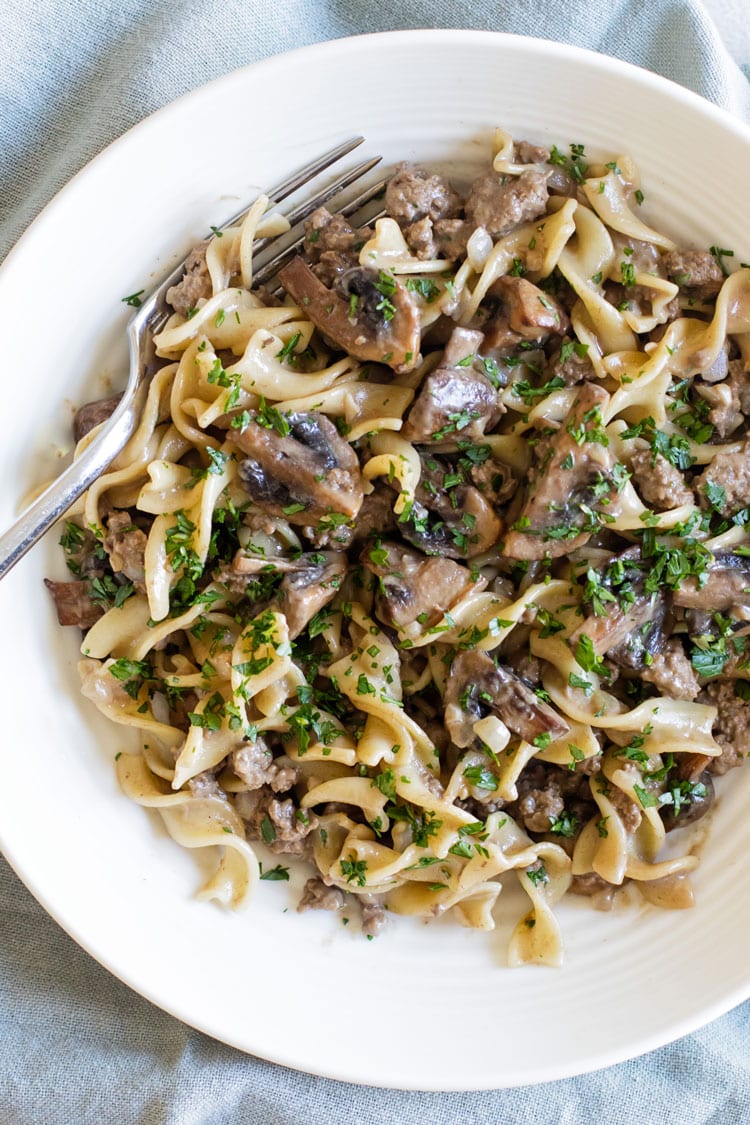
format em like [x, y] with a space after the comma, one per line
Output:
[431, 702]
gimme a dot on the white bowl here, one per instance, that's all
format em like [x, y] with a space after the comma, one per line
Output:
[421, 1007]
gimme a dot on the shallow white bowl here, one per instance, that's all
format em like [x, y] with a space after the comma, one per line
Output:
[421, 1007]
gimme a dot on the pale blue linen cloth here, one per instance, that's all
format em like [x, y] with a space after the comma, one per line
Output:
[76, 1046]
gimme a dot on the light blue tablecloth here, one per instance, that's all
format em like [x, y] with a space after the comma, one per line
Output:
[76, 1046]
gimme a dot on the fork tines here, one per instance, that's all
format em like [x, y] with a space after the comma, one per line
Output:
[334, 194]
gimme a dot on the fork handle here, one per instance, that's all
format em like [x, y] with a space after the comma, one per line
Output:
[65, 490]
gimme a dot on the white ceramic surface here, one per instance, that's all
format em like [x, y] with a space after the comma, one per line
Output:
[420, 1007]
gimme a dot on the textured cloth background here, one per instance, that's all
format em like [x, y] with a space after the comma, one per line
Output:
[76, 1046]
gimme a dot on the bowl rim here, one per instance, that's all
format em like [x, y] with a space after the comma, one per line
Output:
[328, 51]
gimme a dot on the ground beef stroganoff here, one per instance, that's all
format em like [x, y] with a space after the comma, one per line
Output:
[431, 566]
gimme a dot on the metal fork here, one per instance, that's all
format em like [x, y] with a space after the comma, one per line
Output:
[151, 315]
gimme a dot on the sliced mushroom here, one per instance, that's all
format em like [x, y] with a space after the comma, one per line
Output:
[571, 485]
[727, 584]
[376, 318]
[530, 312]
[692, 804]
[454, 399]
[306, 590]
[92, 414]
[450, 517]
[307, 473]
[414, 592]
[73, 603]
[632, 628]
[477, 686]
[310, 582]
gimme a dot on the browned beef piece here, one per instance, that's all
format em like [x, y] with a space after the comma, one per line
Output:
[661, 484]
[254, 764]
[739, 380]
[695, 271]
[281, 825]
[373, 915]
[324, 231]
[451, 236]
[332, 244]
[412, 586]
[195, 284]
[730, 471]
[126, 546]
[592, 884]
[93, 414]
[576, 462]
[414, 194]
[526, 153]
[421, 240]
[358, 315]
[205, 785]
[317, 896]
[538, 808]
[499, 202]
[311, 465]
[726, 585]
[446, 238]
[478, 687]
[73, 603]
[724, 415]
[567, 363]
[455, 397]
[629, 812]
[731, 727]
[671, 673]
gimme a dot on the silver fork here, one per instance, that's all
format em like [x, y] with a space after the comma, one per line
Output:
[151, 315]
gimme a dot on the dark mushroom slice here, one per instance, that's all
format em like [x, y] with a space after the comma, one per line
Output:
[570, 488]
[629, 638]
[726, 584]
[92, 414]
[413, 592]
[450, 516]
[376, 515]
[306, 473]
[635, 625]
[690, 800]
[455, 398]
[309, 582]
[376, 319]
[530, 312]
[305, 591]
[73, 603]
[478, 686]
